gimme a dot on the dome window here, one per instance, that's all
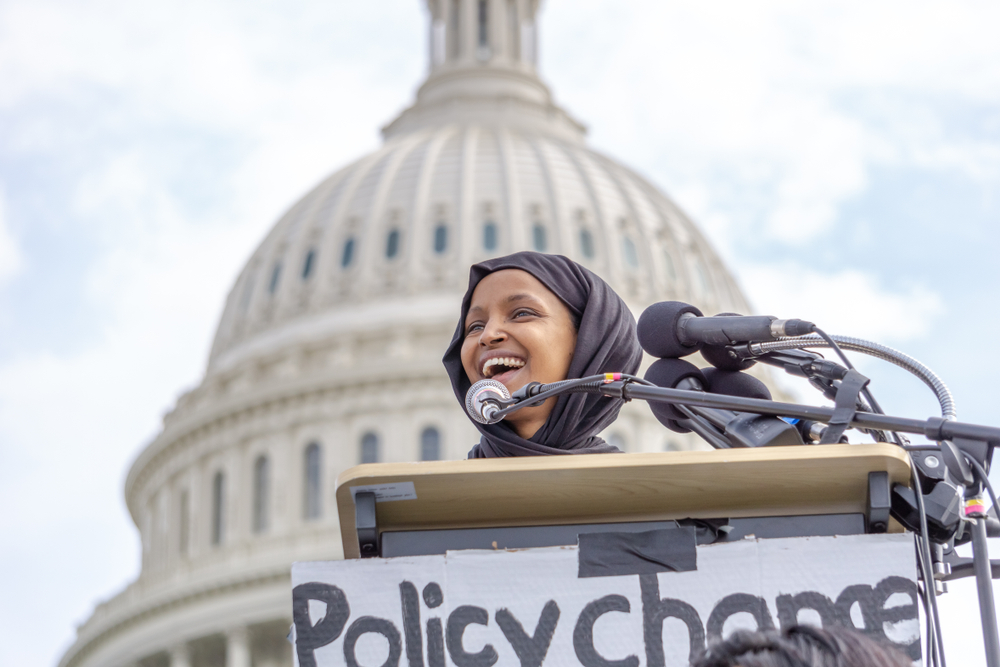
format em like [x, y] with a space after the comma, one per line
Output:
[454, 40]
[392, 244]
[587, 243]
[484, 30]
[307, 264]
[538, 237]
[185, 522]
[275, 277]
[512, 30]
[247, 293]
[261, 493]
[490, 235]
[668, 261]
[700, 279]
[218, 508]
[430, 444]
[630, 253]
[369, 448]
[440, 238]
[347, 256]
[312, 501]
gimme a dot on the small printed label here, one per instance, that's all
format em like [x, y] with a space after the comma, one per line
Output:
[385, 493]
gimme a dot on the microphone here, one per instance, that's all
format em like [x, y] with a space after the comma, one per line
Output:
[484, 399]
[671, 329]
[721, 428]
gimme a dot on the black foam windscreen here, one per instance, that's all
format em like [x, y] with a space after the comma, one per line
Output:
[720, 358]
[657, 329]
[668, 373]
[734, 383]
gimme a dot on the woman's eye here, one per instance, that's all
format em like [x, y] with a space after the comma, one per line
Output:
[473, 328]
[523, 313]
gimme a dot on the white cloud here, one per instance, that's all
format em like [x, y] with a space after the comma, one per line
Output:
[11, 260]
[781, 110]
[848, 302]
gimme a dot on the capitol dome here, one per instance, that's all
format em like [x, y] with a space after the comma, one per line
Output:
[328, 350]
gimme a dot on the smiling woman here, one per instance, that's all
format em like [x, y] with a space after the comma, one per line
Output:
[531, 317]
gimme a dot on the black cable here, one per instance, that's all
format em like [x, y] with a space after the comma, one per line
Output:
[935, 644]
[704, 429]
[985, 479]
[876, 408]
[575, 385]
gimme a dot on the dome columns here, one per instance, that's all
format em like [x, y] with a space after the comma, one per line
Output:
[238, 647]
[482, 56]
[180, 656]
[477, 32]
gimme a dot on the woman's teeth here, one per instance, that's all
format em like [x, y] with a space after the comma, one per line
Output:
[499, 364]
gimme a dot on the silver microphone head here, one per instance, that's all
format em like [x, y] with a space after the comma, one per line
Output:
[483, 399]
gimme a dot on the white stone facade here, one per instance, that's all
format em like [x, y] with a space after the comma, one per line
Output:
[333, 333]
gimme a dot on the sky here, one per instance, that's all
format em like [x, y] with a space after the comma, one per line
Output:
[842, 157]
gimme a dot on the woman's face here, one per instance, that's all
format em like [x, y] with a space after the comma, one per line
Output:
[516, 332]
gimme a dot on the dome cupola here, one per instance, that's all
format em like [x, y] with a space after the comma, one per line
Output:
[482, 57]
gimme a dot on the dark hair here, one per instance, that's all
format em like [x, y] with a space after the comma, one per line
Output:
[800, 646]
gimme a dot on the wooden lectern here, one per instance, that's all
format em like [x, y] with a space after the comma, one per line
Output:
[548, 501]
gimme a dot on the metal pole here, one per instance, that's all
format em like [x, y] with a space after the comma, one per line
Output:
[984, 585]
[942, 429]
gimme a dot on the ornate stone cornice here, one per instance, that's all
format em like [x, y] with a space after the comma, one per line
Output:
[97, 630]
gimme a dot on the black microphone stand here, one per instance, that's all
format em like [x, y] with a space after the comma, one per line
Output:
[972, 440]
[961, 444]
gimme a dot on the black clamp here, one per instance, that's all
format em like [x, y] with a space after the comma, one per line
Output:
[366, 523]
[879, 502]
[845, 407]
[932, 429]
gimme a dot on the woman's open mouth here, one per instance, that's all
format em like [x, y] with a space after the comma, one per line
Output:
[502, 368]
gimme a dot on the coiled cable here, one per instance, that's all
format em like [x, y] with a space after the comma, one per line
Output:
[877, 350]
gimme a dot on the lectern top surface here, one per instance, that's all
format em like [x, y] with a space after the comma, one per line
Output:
[599, 488]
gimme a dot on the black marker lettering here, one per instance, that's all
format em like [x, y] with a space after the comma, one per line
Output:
[435, 643]
[883, 591]
[789, 607]
[461, 618]
[530, 650]
[734, 604]
[410, 603]
[655, 611]
[583, 634]
[379, 626]
[433, 597]
[309, 637]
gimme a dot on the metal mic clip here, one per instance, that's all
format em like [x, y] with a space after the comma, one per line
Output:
[486, 398]
[527, 391]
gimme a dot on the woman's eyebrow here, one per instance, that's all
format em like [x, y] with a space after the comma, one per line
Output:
[521, 297]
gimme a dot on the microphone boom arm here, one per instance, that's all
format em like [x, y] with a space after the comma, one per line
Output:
[627, 388]
[934, 428]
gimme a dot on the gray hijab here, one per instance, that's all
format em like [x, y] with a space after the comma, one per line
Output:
[606, 342]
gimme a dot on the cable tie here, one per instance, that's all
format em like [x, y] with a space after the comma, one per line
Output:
[933, 429]
[975, 508]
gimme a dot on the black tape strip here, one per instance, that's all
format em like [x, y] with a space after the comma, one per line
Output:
[845, 407]
[616, 554]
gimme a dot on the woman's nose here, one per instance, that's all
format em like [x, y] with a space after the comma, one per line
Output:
[492, 334]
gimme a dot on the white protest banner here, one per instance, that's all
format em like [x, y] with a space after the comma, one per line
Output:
[529, 607]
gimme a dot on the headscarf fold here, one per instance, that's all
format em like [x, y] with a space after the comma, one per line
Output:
[606, 342]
